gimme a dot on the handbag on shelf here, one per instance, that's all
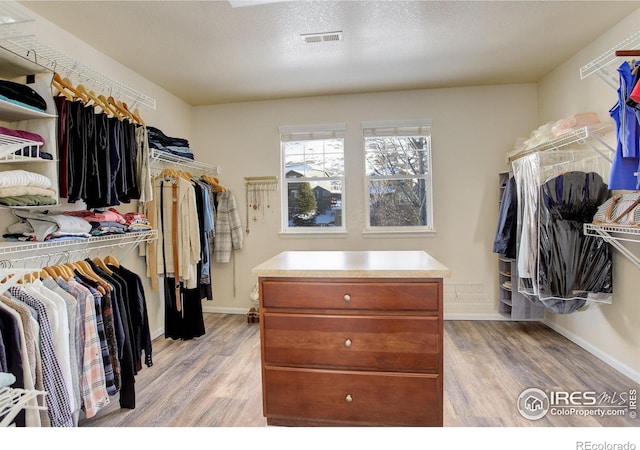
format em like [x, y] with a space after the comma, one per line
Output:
[619, 210]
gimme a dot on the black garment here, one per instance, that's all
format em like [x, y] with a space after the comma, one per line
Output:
[138, 315]
[77, 156]
[506, 232]
[115, 157]
[570, 264]
[188, 323]
[98, 187]
[129, 163]
[23, 94]
[127, 364]
[62, 106]
[11, 338]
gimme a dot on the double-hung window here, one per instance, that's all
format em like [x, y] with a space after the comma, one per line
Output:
[398, 175]
[312, 178]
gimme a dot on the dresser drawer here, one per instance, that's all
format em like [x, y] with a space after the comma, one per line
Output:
[366, 398]
[402, 343]
[351, 295]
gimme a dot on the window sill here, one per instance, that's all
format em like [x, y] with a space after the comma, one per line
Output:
[314, 234]
[370, 233]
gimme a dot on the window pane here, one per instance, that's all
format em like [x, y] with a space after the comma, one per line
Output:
[314, 203]
[314, 158]
[398, 203]
[396, 155]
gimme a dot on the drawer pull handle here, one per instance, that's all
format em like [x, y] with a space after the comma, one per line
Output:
[347, 298]
[347, 343]
[348, 398]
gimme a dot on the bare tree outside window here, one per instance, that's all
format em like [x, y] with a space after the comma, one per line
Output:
[399, 181]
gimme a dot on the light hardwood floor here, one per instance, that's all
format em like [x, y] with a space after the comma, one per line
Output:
[214, 381]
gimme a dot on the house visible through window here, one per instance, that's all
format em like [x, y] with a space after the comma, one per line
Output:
[398, 175]
[313, 178]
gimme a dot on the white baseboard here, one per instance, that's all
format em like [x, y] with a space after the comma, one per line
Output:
[595, 351]
[224, 310]
[157, 333]
[473, 316]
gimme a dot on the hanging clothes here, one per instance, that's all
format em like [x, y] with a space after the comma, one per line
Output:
[571, 265]
[505, 239]
[92, 339]
[177, 260]
[627, 157]
[103, 159]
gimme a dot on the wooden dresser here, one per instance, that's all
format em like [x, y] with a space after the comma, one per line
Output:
[351, 338]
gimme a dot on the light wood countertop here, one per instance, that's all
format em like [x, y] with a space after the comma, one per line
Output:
[352, 264]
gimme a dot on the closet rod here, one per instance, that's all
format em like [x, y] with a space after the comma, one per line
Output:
[627, 52]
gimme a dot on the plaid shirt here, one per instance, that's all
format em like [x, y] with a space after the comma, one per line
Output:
[229, 233]
[92, 378]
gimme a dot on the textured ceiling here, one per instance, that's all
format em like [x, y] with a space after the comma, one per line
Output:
[210, 52]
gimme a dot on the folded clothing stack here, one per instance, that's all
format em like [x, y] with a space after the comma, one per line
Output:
[22, 95]
[41, 227]
[23, 188]
[177, 146]
[110, 221]
[28, 150]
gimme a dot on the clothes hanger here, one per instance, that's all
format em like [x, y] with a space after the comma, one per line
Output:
[112, 101]
[112, 260]
[51, 271]
[76, 93]
[57, 83]
[112, 110]
[136, 114]
[100, 263]
[214, 182]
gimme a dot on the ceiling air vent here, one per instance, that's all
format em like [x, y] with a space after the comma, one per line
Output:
[322, 37]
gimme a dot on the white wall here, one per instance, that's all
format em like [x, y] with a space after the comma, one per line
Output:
[612, 332]
[473, 128]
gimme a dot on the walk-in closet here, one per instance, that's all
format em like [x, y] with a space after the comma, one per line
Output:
[279, 214]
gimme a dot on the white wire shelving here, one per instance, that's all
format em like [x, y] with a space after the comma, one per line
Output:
[591, 137]
[14, 400]
[38, 254]
[617, 236]
[600, 65]
[161, 159]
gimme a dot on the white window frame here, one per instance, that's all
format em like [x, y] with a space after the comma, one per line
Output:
[310, 132]
[399, 128]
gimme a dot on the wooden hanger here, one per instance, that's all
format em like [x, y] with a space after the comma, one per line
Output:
[136, 114]
[52, 272]
[57, 83]
[214, 182]
[100, 263]
[66, 82]
[112, 260]
[112, 101]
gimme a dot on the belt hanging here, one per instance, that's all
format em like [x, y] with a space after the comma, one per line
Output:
[174, 237]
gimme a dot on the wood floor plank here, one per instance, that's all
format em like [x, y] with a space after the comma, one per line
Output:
[215, 380]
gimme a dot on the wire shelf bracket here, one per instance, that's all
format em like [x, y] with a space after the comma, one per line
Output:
[599, 65]
[616, 236]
